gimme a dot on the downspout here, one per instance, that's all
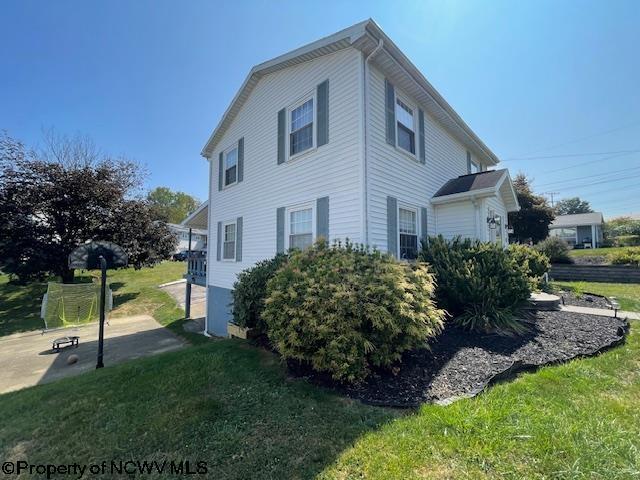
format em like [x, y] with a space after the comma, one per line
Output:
[366, 140]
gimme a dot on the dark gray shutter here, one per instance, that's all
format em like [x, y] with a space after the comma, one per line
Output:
[220, 170]
[323, 113]
[280, 230]
[422, 146]
[322, 218]
[281, 135]
[468, 161]
[390, 101]
[240, 159]
[392, 226]
[239, 239]
[219, 241]
[423, 224]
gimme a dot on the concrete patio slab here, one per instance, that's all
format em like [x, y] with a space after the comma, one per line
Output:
[26, 359]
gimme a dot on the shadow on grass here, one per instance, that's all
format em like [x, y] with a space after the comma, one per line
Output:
[20, 307]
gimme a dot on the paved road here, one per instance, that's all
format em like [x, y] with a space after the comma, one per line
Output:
[26, 358]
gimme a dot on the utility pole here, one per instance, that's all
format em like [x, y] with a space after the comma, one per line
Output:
[551, 194]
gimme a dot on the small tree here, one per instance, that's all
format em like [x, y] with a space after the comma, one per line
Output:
[532, 221]
[169, 206]
[573, 205]
[64, 195]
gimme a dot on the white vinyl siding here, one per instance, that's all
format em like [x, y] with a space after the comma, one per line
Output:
[456, 219]
[496, 205]
[393, 173]
[332, 170]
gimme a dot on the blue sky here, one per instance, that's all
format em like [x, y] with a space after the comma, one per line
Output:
[150, 79]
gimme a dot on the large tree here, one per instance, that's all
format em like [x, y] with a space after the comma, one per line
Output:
[169, 206]
[570, 206]
[531, 222]
[64, 195]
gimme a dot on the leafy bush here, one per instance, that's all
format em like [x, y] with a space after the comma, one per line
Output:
[535, 262]
[250, 291]
[628, 241]
[628, 256]
[556, 249]
[480, 284]
[344, 310]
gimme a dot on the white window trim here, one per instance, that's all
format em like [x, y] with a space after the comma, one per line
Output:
[415, 209]
[475, 164]
[309, 96]
[224, 165]
[416, 124]
[287, 220]
[235, 251]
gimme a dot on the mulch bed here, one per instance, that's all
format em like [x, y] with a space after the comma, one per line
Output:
[595, 260]
[585, 300]
[461, 364]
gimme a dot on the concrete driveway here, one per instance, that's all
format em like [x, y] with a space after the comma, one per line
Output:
[26, 359]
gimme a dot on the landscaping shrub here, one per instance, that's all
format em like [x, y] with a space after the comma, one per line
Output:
[628, 241]
[535, 262]
[480, 284]
[344, 309]
[250, 290]
[556, 249]
[628, 256]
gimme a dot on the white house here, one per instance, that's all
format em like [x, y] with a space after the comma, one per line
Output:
[342, 138]
[579, 230]
[198, 237]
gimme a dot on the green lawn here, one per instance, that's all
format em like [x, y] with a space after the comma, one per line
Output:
[628, 294]
[233, 406]
[134, 292]
[595, 252]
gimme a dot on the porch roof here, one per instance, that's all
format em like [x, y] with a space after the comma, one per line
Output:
[477, 185]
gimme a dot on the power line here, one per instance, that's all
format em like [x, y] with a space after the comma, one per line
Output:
[545, 185]
[600, 182]
[587, 163]
[567, 155]
[587, 137]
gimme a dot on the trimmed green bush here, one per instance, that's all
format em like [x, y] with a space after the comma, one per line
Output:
[556, 249]
[628, 256]
[345, 310]
[250, 290]
[535, 262]
[480, 284]
[627, 241]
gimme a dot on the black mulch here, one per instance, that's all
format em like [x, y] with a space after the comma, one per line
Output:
[585, 300]
[461, 364]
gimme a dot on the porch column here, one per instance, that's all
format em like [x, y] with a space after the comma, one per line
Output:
[594, 238]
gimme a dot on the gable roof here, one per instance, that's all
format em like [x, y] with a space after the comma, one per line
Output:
[477, 185]
[199, 218]
[366, 36]
[595, 218]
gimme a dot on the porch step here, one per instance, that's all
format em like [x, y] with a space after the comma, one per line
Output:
[544, 301]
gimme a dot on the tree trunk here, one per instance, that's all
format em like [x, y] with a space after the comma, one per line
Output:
[68, 275]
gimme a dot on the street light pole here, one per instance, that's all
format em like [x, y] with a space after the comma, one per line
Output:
[103, 294]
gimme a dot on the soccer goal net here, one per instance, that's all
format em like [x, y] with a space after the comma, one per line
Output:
[66, 305]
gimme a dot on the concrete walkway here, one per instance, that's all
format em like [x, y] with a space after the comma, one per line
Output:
[605, 312]
[198, 296]
[26, 359]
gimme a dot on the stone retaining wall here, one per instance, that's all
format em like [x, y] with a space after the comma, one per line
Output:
[596, 273]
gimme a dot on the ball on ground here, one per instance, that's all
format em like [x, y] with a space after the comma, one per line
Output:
[71, 359]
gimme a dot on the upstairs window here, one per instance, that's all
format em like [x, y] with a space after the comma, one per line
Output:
[408, 231]
[231, 166]
[229, 242]
[301, 228]
[405, 120]
[301, 127]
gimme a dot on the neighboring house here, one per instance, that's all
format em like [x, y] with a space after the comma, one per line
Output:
[582, 230]
[198, 237]
[343, 138]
